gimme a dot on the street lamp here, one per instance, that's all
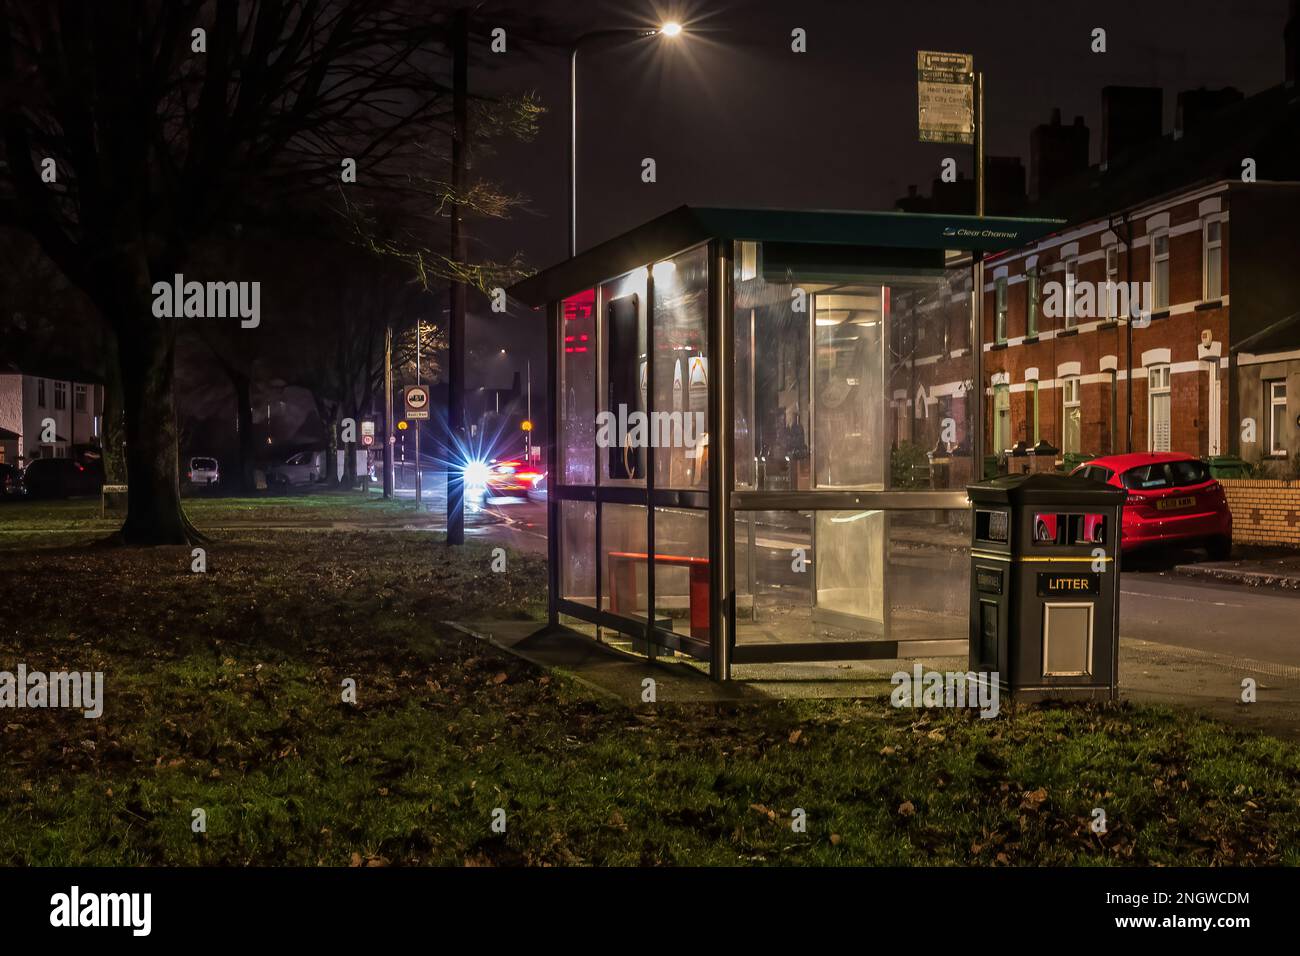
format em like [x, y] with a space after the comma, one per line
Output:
[669, 29]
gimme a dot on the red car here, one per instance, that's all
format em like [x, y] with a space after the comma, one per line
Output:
[511, 478]
[1172, 499]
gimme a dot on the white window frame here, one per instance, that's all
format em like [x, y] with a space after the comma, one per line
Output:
[1110, 309]
[1071, 273]
[1033, 302]
[80, 398]
[1001, 404]
[1276, 399]
[1159, 379]
[1159, 302]
[60, 396]
[40, 393]
[1000, 310]
[1206, 245]
[1071, 392]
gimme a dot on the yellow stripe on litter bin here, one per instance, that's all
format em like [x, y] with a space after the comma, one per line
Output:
[990, 556]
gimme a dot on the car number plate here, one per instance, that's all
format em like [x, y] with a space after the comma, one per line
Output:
[1170, 504]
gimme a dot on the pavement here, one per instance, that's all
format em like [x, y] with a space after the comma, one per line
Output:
[1279, 569]
[1150, 673]
[1191, 634]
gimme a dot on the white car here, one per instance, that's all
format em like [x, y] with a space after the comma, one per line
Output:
[299, 469]
[203, 471]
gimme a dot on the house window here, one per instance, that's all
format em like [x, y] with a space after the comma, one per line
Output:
[79, 397]
[60, 396]
[1071, 416]
[1160, 270]
[1032, 389]
[1158, 397]
[40, 393]
[1275, 392]
[1071, 280]
[1000, 310]
[1031, 303]
[1212, 264]
[1110, 303]
[1001, 418]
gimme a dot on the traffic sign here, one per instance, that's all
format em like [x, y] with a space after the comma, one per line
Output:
[945, 92]
[417, 402]
[367, 434]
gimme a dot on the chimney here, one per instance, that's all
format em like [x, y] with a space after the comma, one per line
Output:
[1195, 107]
[1056, 153]
[1131, 117]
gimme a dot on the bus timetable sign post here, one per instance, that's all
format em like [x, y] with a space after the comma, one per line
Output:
[945, 93]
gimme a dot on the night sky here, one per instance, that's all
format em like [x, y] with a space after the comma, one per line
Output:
[732, 116]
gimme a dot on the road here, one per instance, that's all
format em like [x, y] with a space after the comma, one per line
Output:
[1155, 604]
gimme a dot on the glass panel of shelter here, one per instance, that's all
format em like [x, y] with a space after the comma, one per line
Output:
[611, 429]
[887, 408]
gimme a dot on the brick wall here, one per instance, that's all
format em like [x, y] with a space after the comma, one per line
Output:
[1264, 512]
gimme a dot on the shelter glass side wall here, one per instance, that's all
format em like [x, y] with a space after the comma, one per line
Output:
[850, 382]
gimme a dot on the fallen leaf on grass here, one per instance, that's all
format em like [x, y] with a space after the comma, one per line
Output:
[1033, 799]
[906, 809]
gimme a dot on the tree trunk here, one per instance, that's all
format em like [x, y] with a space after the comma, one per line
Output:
[244, 399]
[328, 412]
[112, 441]
[350, 455]
[146, 347]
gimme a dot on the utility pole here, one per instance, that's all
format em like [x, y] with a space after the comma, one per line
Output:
[977, 279]
[456, 326]
[1128, 334]
[419, 486]
[389, 443]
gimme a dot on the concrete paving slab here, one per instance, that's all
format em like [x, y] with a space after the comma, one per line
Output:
[1151, 673]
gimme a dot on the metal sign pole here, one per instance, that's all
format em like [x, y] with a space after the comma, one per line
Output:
[417, 424]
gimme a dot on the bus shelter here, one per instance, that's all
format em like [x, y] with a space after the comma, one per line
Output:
[765, 421]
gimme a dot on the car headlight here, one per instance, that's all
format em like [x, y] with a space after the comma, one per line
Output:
[476, 474]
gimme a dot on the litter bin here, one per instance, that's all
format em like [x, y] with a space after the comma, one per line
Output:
[1044, 599]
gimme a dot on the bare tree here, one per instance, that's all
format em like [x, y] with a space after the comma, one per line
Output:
[133, 130]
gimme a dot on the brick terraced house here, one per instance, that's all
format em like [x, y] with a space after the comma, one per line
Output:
[1208, 361]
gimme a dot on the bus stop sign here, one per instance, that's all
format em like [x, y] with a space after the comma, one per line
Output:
[417, 402]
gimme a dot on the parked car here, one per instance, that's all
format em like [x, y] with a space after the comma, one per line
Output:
[11, 482]
[203, 471]
[299, 469]
[1172, 499]
[62, 478]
